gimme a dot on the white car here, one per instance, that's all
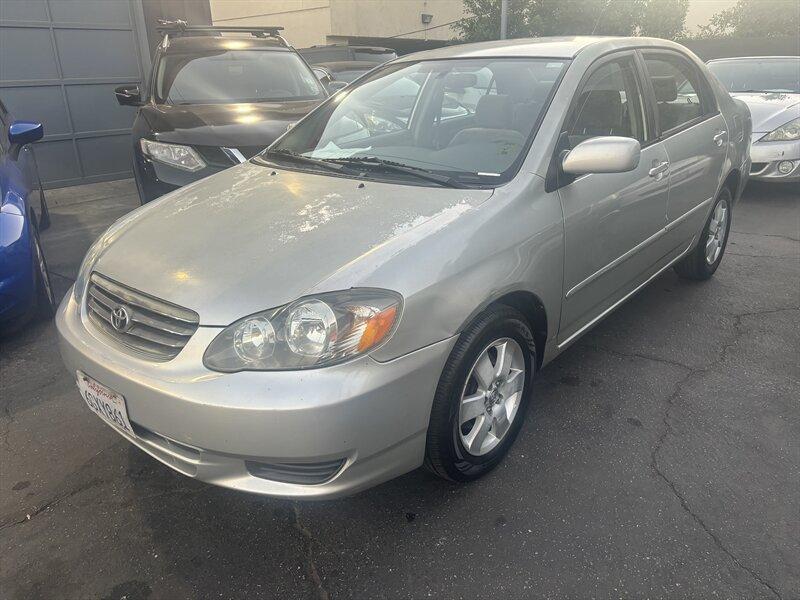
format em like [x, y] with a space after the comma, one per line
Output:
[770, 86]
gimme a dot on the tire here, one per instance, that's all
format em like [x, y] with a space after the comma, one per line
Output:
[45, 299]
[703, 261]
[453, 450]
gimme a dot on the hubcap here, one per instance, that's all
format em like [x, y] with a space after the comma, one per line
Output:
[717, 230]
[491, 396]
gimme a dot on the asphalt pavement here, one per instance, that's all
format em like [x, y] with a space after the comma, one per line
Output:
[660, 459]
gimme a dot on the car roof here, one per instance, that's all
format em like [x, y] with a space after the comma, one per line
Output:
[347, 65]
[733, 58]
[200, 43]
[543, 47]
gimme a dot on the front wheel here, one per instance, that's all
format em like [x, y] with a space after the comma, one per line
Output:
[701, 263]
[482, 396]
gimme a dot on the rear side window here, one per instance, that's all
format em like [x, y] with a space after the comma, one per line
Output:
[609, 103]
[682, 97]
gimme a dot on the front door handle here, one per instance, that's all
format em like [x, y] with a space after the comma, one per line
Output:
[659, 169]
[719, 138]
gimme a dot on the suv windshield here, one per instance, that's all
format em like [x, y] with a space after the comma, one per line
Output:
[231, 76]
[465, 119]
[758, 75]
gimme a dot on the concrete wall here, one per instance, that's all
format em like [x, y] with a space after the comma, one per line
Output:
[305, 22]
[309, 22]
[389, 18]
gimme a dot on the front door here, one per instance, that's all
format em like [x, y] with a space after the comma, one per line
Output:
[612, 221]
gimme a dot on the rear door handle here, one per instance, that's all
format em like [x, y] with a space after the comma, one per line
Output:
[719, 138]
[658, 170]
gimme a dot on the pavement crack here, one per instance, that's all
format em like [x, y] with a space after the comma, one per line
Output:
[667, 416]
[67, 277]
[639, 355]
[308, 549]
[769, 235]
[54, 501]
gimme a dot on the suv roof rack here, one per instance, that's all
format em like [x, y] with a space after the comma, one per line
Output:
[179, 28]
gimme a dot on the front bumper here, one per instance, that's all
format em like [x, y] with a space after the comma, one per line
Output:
[767, 156]
[155, 179]
[213, 426]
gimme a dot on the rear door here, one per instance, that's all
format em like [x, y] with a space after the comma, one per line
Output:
[694, 134]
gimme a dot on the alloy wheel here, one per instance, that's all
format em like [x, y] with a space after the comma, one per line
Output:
[491, 396]
[717, 230]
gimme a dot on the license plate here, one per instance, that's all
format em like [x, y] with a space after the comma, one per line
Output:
[105, 403]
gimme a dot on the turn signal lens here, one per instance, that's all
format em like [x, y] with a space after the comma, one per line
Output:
[377, 328]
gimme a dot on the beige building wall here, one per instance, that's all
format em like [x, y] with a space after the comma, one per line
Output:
[309, 22]
[389, 18]
[305, 22]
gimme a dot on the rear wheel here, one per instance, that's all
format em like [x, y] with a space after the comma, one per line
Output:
[703, 261]
[482, 396]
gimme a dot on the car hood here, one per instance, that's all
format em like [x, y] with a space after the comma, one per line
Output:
[233, 125]
[770, 110]
[252, 237]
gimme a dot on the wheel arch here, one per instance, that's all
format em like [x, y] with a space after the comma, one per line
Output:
[533, 309]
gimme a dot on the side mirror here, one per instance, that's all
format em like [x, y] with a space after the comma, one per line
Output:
[607, 154]
[128, 95]
[25, 132]
[335, 86]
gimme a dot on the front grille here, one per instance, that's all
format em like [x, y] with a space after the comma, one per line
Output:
[147, 325]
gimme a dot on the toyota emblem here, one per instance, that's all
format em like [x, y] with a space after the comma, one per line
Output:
[120, 319]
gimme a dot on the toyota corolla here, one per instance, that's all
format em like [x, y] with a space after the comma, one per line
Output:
[378, 290]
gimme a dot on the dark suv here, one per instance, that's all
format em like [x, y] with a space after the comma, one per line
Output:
[213, 101]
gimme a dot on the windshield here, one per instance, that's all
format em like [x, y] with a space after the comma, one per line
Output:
[759, 75]
[468, 119]
[229, 76]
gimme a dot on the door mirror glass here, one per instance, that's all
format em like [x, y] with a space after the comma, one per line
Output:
[606, 154]
[25, 132]
[128, 95]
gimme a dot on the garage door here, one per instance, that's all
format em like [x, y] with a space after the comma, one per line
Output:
[60, 61]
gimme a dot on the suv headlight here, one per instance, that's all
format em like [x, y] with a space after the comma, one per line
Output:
[176, 155]
[311, 332]
[785, 133]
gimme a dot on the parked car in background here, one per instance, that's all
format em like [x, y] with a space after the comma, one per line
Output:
[336, 75]
[770, 86]
[25, 289]
[375, 55]
[378, 290]
[213, 102]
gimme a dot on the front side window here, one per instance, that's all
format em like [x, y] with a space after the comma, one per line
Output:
[680, 96]
[464, 118]
[230, 76]
[610, 103]
[759, 75]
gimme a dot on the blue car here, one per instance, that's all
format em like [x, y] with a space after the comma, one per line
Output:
[25, 290]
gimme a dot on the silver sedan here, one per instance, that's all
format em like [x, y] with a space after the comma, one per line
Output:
[770, 86]
[377, 290]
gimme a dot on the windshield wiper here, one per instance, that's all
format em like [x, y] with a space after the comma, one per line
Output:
[301, 158]
[389, 165]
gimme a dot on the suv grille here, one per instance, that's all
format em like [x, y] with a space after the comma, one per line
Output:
[145, 324]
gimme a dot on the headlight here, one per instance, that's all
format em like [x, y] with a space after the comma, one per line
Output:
[785, 133]
[182, 157]
[312, 332]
